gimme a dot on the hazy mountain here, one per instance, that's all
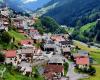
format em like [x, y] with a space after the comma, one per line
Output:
[72, 12]
[25, 5]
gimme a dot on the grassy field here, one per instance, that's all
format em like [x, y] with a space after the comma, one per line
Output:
[17, 35]
[7, 46]
[87, 27]
[83, 33]
[83, 47]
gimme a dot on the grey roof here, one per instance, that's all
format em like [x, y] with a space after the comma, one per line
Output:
[80, 55]
[65, 42]
[25, 66]
[50, 42]
[82, 52]
[25, 51]
[49, 46]
[56, 59]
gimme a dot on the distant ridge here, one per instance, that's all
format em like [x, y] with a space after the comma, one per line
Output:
[72, 12]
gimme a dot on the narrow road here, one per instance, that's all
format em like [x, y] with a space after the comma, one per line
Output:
[72, 75]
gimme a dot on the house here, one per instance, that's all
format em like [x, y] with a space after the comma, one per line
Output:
[82, 62]
[48, 54]
[49, 41]
[37, 38]
[57, 60]
[20, 23]
[37, 53]
[5, 12]
[26, 42]
[53, 72]
[17, 22]
[30, 21]
[81, 53]
[3, 27]
[66, 51]
[10, 57]
[57, 38]
[82, 59]
[25, 58]
[49, 47]
[25, 54]
[46, 36]
[5, 21]
[34, 34]
[25, 67]
[66, 43]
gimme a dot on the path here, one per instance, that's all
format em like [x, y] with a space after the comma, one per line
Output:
[2, 72]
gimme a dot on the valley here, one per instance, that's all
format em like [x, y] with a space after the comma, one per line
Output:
[49, 40]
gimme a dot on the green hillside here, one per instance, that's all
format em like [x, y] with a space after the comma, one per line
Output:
[12, 35]
[87, 27]
[16, 35]
[87, 33]
[48, 24]
[72, 12]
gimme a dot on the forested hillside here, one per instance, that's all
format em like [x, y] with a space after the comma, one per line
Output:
[73, 12]
[88, 33]
[48, 24]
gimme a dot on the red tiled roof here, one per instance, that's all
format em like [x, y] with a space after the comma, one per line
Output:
[29, 41]
[10, 53]
[51, 69]
[82, 61]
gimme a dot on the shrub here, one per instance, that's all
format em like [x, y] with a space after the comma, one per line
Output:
[2, 58]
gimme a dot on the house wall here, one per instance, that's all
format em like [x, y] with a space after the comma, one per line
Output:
[11, 60]
[83, 66]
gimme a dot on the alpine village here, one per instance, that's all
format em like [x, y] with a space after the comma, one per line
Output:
[37, 47]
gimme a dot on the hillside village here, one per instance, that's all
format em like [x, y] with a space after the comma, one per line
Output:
[51, 56]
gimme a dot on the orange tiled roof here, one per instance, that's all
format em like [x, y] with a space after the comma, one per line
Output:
[57, 38]
[82, 61]
[10, 53]
[25, 42]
